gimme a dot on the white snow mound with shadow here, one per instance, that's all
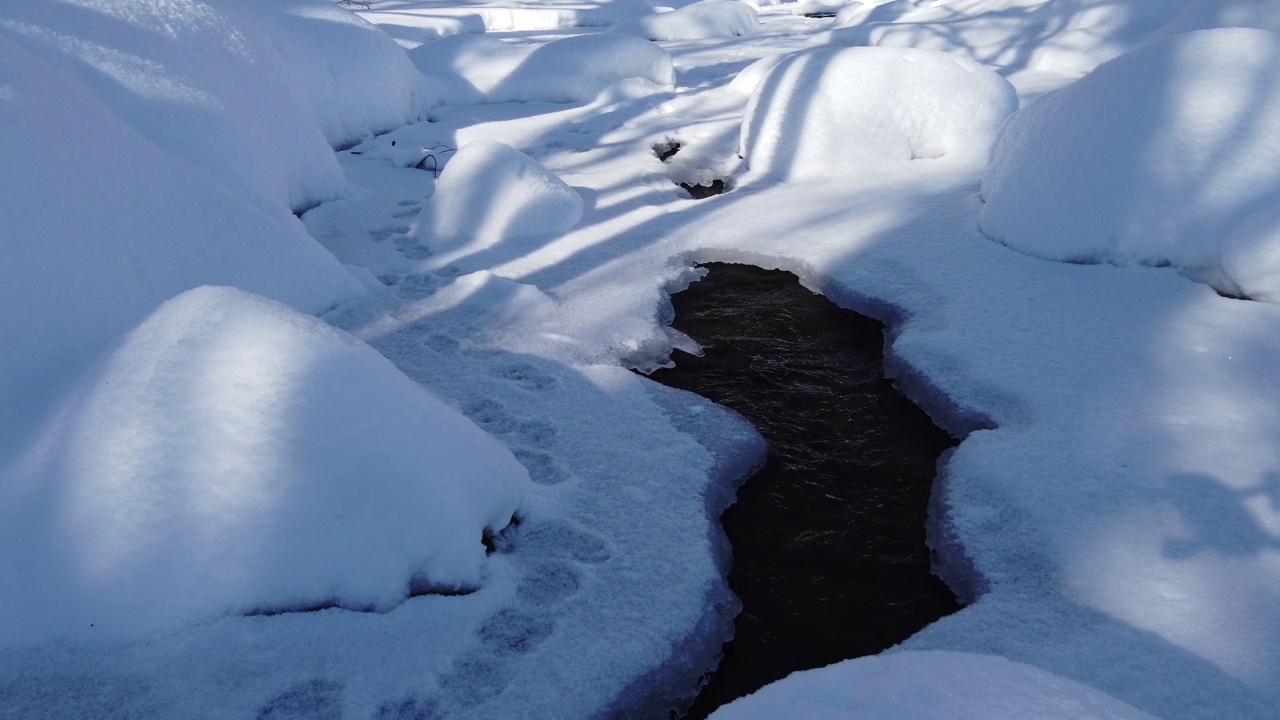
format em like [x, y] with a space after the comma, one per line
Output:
[489, 192]
[231, 455]
[700, 21]
[840, 112]
[1169, 155]
[928, 685]
[473, 69]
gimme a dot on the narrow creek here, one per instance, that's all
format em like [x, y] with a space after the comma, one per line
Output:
[828, 538]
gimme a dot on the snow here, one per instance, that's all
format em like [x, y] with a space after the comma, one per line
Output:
[489, 193]
[699, 21]
[1208, 14]
[232, 455]
[924, 685]
[1165, 156]
[1110, 511]
[478, 68]
[851, 110]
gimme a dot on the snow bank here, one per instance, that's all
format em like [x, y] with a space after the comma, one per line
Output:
[101, 225]
[1209, 14]
[1167, 155]
[699, 21]
[478, 69]
[254, 93]
[490, 192]
[838, 112]
[1038, 44]
[872, 11]
[233, 455]
[928, 685]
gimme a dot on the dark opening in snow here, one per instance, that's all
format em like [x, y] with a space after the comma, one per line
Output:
[828, 537]
[702, 192]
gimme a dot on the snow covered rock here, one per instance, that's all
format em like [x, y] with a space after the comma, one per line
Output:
[490, 192]
[100, 225]
[872, 11]
[1169, 155]
[232, 455]
[699, 21]
[255, 93]
[480, 69]
[839, 112]
[1209, 14]
[928, 685]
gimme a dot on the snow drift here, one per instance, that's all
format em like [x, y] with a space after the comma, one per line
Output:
[699, 21]
[840, 112]
[480, 69]
[1169, 155]
[232, 455]
[490, 192]
[928, 685]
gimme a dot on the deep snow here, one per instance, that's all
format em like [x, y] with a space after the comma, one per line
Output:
[1111, 511]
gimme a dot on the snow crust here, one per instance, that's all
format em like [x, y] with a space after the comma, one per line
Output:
[847, 111]
[232, 455]
[928, 685]
[699, 21]
[1165, 156]
[478, 68]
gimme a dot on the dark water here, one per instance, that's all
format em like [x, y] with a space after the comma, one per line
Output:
[828, 537]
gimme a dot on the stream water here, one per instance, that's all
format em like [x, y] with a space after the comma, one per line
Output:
[828, 538]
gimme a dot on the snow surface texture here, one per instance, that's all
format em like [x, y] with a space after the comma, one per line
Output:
[151, 147]
[1037, 44]
[852, 110]
[489, 193]
[1169, 155]
[1111, 509]
[928, 685]
[699, 21]
[477, 68]
[231, 455]
[1208, 14]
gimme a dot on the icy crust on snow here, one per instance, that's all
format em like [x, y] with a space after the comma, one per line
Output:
[699, 21]
[232, 455]
[480, 69]
[851, 110]
[1165, 156]
[489, 193]
[928, 685]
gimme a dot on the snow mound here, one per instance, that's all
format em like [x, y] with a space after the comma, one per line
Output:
[872, 11]
[254, 93]
[928, 685]
[700, 21]
[232, 455]
[839, 111]
[101, 226]
[1169, 155]
[1209, 14]
[490, 192]
[479, 69]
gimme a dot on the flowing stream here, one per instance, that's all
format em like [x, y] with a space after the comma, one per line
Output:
[828, 538]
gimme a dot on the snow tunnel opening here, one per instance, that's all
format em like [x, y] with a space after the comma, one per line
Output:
[830, 558]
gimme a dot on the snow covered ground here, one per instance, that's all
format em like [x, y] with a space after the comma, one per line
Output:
[212, 505]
